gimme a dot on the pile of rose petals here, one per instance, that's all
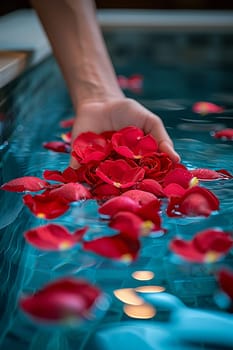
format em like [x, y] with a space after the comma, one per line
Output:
[135, 185]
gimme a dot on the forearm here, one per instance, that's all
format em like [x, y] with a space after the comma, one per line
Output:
[79, 48]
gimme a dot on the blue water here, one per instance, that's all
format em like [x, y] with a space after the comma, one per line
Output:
[37, 102]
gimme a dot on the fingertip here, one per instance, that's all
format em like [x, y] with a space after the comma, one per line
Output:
[167, 147]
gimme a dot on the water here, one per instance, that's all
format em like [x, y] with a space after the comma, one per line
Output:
[37, 102]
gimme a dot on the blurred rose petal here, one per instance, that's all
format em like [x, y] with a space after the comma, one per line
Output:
[25, 183]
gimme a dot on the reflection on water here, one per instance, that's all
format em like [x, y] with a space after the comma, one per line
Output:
[23, 268]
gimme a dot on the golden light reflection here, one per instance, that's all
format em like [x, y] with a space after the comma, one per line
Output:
[143, 311]
[150, 289]
[128, 296]
[143, 275]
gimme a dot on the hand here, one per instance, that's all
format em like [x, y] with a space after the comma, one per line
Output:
[118, 113]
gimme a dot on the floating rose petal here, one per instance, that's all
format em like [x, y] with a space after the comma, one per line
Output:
[225, 134]
[119, 203]
[62, 301]
[151, 218]
[90, 146]
[118, 247]
[133, 83]
[225, 278]
[130, 142]
[46, 206]
[204, 108]
[119, 173]
[206, 246]
[208, 174]
[181, 177]
[67, 123]
[25, 183]
[57, 146]
[71, 192]
[53, 237]
[66, 176]
[195, 201]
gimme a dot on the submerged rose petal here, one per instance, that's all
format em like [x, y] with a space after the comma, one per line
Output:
[71, 192]
[225, 278]
[62, 301]
[130, 142]
[133, 83]
[208, 174]
[204, 108]
[46, 206]
[53, 237]
[117, 247]
[206, 246]
[25, 183]
[90, 146]
[195, 201]
[225, 134]
[119, 173]
[57, 146]
[67, 123]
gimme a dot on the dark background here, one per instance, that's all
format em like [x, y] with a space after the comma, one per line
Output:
[8, 6]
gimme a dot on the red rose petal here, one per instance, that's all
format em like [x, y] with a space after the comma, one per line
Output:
[225, 134]
[57, 146]
[118, 247]
[89, 147]
[208, 174]
[66, 176]
[152, 186]
[225, 277]
[61, 301]
[204, 108]
[71, 192]
[195, 201]
[141, 197]
[53, 237]
[179, 176]
[130, 142]
[119, 203]
[45, 206]
[67, 123]
[119, 173]
[25, 183]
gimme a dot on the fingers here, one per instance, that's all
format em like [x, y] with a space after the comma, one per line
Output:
[166, 147]
[155, 126]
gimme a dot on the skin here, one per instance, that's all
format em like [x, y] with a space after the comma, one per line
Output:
[79, 48]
